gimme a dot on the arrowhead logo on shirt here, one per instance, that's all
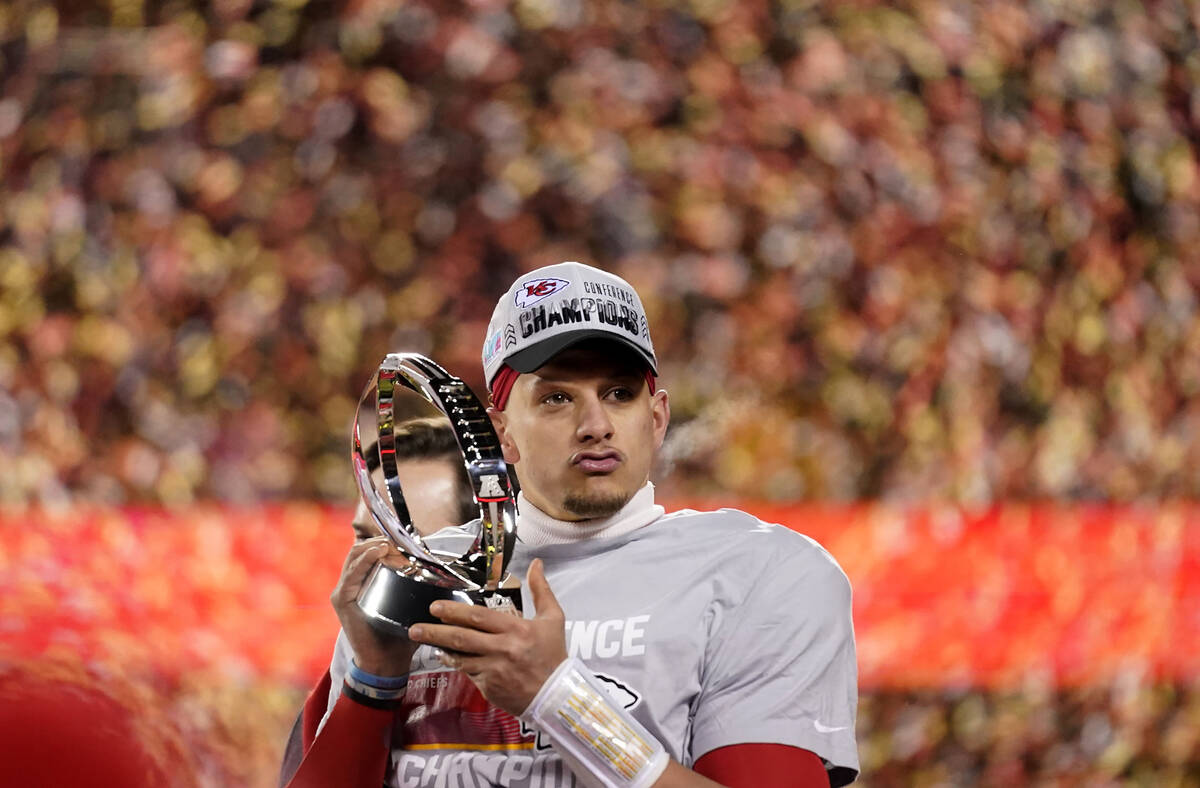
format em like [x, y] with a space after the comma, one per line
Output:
[618, 691]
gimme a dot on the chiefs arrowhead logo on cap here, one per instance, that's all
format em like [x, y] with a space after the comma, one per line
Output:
[553, 307]
[535, 290]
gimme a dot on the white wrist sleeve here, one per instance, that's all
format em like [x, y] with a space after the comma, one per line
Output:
[592, 732]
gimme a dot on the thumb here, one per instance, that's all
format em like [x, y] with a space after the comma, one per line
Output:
[544, 602]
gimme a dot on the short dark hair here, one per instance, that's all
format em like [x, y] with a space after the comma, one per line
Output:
[431, 439]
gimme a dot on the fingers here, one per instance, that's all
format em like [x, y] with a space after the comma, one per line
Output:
[460, 639]
[544, 601]
[470, 665]
[359, 548]
[394, 558]
[473, 616]
[508, 658]
[372, 550]
[359, 561]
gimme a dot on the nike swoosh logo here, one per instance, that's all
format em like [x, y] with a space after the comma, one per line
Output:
[826, 729]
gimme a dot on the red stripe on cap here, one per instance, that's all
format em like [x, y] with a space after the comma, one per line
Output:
[502, 386]
[505, 378]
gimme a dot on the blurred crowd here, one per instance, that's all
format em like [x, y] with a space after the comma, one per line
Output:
[1123, 735]
[902, 251]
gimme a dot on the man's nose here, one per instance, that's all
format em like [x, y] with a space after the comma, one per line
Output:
[594, 423]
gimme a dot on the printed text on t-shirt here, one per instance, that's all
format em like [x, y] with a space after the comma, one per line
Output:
[625, 637]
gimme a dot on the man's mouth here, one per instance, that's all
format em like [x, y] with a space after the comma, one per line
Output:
[597, 461]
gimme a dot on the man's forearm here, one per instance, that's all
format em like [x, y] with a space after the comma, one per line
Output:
[351, 750]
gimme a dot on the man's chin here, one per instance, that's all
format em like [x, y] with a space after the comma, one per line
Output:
[597, 504]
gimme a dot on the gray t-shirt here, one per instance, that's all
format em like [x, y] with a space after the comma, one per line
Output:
[712, 628]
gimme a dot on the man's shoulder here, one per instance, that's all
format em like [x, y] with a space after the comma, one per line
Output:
[745, 537]
[722, 520]
[735, 524]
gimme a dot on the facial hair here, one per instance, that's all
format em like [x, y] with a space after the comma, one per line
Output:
[591, 507]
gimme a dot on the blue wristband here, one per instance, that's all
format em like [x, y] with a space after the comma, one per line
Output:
[369, 696]
[381, 682]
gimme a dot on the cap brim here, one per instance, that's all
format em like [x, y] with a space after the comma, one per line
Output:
[533, 358]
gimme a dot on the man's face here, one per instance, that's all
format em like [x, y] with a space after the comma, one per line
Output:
[583, 431]
[430, 493]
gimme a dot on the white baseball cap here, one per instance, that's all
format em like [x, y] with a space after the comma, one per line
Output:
[552, 308]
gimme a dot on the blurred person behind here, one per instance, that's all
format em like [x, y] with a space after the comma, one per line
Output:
[438, 495]
[66, 723]
[430, 468]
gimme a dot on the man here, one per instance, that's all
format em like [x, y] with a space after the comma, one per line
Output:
[663, 649]
[438, 495]
[430, 466]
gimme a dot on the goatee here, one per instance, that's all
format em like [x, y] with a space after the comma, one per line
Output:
[591, 507]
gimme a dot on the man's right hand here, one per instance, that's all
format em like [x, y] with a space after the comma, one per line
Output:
[374, 651]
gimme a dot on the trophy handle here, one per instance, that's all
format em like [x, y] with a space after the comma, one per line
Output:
[485, 562]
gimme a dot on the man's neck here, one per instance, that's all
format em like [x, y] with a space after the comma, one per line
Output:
[535, 528]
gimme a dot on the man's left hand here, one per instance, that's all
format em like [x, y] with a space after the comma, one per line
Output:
[508, 658]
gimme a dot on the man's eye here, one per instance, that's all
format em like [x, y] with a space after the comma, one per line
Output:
[557, 398]
[621, 394]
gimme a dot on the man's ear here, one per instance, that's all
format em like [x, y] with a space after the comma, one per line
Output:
[511, 455]
[660, 405]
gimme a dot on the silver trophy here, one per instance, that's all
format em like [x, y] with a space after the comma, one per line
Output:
[464, 564]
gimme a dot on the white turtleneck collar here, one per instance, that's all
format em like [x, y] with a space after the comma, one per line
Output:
[535, 528]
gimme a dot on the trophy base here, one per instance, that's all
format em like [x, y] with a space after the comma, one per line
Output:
[393, 601]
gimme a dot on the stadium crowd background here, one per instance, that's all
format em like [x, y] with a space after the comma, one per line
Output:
[925, 251]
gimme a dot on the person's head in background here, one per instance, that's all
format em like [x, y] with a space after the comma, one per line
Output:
[432, 477]
[66, 723]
